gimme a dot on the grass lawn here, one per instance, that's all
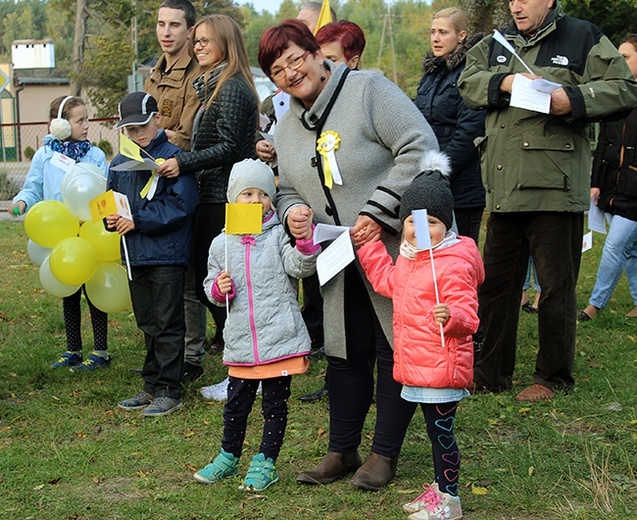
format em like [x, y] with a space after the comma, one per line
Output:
[68, 452]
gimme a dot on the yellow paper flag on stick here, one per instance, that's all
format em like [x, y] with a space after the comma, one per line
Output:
[244, 219]
[103, 205]
[325, 16]
[129, 149]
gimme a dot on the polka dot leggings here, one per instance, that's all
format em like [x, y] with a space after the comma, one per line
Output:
[274, 409]
[73, 322]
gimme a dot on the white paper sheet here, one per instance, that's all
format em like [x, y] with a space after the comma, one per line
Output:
[523, 95]
[132, 165]
[323, 232]
[587, 241]
[335, 257]
[596, 219]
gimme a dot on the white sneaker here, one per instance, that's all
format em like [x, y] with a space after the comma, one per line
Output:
[429, 494]
[219, 392]
[441, 506]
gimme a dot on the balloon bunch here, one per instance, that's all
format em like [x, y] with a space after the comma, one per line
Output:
[72, 253]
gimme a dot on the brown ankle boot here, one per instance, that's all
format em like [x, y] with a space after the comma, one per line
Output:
[376, 473]
[333, 466]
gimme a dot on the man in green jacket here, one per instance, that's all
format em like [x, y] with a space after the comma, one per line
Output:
[536, 172]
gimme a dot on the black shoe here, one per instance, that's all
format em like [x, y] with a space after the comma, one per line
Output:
[314, 396]
[191, 373]
[528, 308]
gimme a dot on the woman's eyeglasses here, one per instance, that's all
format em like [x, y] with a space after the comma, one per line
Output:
[294, 64]
[203, 41]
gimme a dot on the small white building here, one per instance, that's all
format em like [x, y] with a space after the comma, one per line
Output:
[33, 54]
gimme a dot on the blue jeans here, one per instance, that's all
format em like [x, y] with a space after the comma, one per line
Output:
[527, 281]
[620, 252]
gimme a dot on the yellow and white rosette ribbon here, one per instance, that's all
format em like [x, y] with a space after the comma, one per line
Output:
[326, 145]
[150, 188]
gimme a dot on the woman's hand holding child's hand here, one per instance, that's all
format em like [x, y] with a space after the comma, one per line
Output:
[299, 221]
[441, 313]
[365, 230]
[120, 224]
[224, 282]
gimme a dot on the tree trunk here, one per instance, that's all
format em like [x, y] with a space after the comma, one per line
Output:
[81, 15]
[486, 15]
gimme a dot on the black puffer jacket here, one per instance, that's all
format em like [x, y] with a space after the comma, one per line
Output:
[223, 135]
[455, 125]
[615, 167]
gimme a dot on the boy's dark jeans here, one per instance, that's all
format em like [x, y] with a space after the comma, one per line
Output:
[157, 293]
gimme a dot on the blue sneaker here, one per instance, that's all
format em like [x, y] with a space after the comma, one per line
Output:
[93, 362]
[225, 465]
[68, 359]
[261, 474]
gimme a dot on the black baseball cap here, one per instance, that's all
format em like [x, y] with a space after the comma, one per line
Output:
[136, 109]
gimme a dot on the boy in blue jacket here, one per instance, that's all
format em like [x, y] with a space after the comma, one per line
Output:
[158, 240]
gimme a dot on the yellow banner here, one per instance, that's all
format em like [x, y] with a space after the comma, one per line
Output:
[244, 219]
[129, 149]
[103, 205]
[325, 16]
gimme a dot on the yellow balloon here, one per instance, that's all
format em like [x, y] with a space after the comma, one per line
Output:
[73, 261]
[108, 289]
[49, 221]
[106, 243]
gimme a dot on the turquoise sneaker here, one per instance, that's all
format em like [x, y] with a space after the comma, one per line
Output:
[225, 465]
[261, 474]
[93, 362]
[68, 359]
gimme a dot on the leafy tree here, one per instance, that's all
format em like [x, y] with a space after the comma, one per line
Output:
[617, 18]
[105, 70]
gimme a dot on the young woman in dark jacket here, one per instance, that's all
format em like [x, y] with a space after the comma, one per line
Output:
[223, 133]
[455, 125]
[614, 190]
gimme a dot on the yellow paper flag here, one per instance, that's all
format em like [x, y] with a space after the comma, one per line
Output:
[244, 219]
[325, 16]
[129, 149]
[103, 205]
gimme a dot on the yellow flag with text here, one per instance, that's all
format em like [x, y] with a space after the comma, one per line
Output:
[129, 149]
[325, 16]
[244, 219]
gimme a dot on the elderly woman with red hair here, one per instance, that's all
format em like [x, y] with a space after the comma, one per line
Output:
[375, 139]
[342, 42]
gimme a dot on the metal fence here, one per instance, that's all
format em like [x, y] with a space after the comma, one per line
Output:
[19, 140]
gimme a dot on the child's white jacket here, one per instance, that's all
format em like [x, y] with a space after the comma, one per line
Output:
[419, 357]
[264, 323]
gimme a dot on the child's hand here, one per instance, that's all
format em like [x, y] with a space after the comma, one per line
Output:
[17, 208]
[441, 313]
[120, 224]
[224, 282]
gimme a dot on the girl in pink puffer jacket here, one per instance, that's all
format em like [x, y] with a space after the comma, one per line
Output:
[433, 373]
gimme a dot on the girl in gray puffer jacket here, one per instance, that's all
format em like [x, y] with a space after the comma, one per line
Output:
[265, 337]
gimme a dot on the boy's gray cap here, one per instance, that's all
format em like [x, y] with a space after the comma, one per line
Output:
[251, 174]
[136, 109]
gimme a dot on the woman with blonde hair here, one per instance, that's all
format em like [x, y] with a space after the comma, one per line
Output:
[455, 125]
[223, 134]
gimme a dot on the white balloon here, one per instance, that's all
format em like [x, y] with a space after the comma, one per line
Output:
[83, 183]
[52, 285]
[37, 253]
